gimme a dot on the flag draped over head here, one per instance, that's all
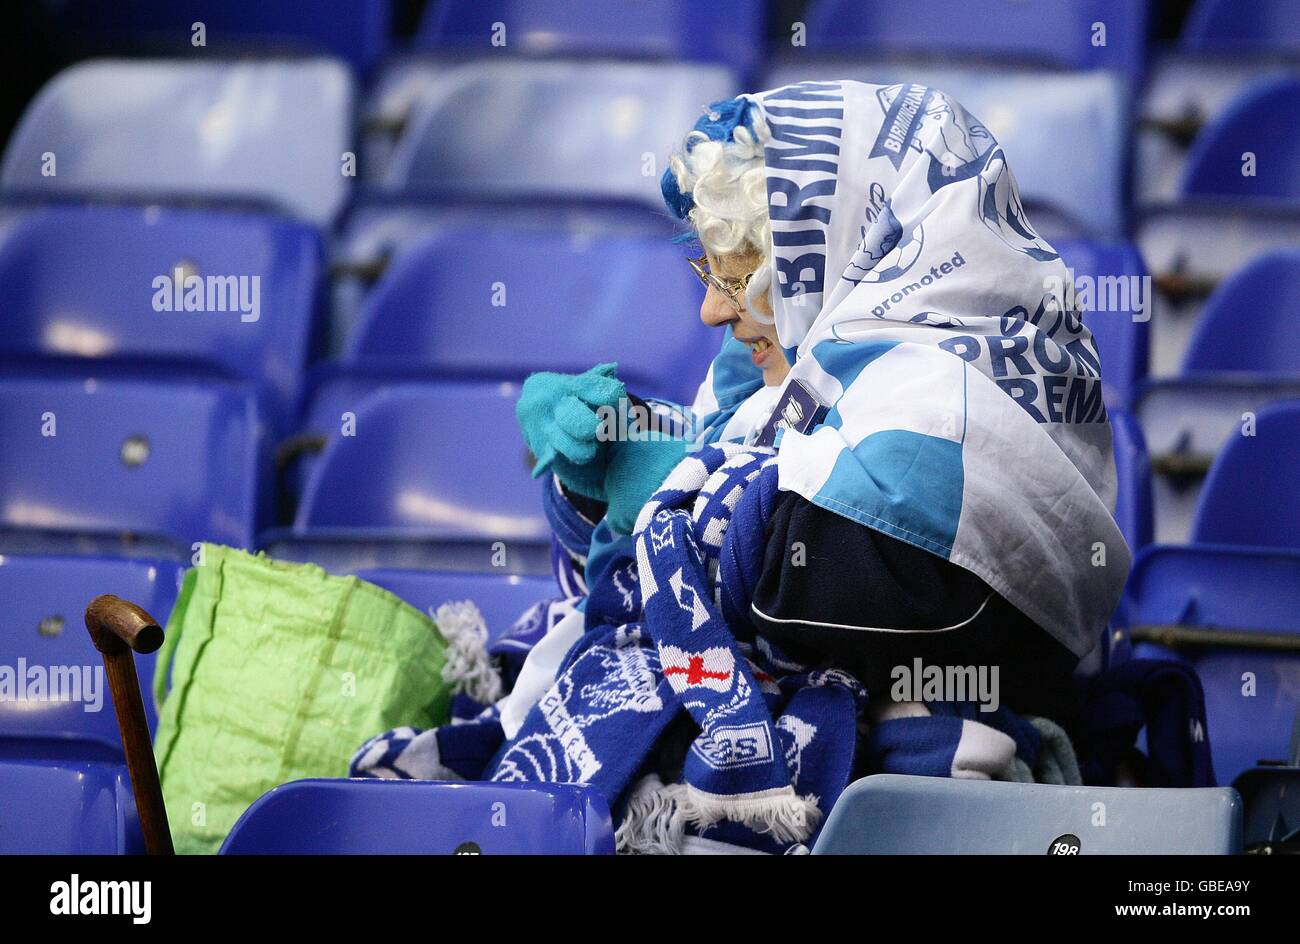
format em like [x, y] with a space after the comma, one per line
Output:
[915, 301]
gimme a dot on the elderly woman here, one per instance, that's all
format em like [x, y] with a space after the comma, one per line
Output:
[894, 484]
[952, 504]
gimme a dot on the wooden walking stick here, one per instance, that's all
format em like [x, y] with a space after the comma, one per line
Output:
[119, 629]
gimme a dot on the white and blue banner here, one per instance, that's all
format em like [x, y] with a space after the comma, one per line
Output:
[918, 304]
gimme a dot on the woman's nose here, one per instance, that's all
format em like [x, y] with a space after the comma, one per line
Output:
[714, 310]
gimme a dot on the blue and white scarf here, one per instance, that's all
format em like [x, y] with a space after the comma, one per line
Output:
[625, 681]
[776, 743]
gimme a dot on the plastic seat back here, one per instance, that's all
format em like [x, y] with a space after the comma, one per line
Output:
[166, 462]
[270, 132]
[729, 34]
[1252, 493]
[429, 462]
[42, 625]
[1263, 26]
[1112, 285]
[396, 817]
[65, 808]
[1005, 32]
[1133, 511]
[234, 293]
[1250, 151]
[893, 814]
[590, 130]
[522, 301]
[1248, 324]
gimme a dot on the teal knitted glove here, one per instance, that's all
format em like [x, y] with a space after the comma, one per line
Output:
[637, 467]
[557, 413]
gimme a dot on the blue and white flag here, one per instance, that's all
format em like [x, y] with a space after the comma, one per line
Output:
[917, 303]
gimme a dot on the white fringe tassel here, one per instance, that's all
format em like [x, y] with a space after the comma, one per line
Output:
[467, 669]
[652, 824]
[780, 813]
[657, 815]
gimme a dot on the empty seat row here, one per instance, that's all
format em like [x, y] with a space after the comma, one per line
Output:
[1063, 34]
[291, 149]
[279, 132]
[1240, 358]
[356, 31]
[194, 294]
[86, 808]
[235, 295]
[79, 812]
[415, 473]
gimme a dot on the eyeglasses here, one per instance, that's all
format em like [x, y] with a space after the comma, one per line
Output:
[731, 289]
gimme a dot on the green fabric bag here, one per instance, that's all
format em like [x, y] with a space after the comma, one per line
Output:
[280, 671]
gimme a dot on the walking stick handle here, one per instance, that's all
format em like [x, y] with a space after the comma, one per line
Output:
[119, 629]
[116, 625]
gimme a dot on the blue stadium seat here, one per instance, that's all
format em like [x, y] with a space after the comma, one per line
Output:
[1007, 33]
[1114, 291]
[893, 814]
[1133, 472]
[1248, 324]
[1190, 251]
[147, 467]
[1252, 494]
[67, 808]
[595, 130]
[500, 302]
[435, 475]
[1230, 26]
[42, 623]
[730, 34]
[501, 599]
[1255, 122]
[1251, 693]
[270, 132]
[1234, 351]
[412, 817]
[355, 30]
[377, 230]
[1074, 192]
[79, 282]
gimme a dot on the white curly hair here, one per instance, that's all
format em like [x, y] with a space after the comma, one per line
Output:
[729, 187]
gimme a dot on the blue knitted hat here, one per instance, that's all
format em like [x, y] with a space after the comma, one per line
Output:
[719, 123]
